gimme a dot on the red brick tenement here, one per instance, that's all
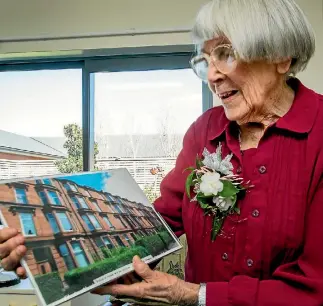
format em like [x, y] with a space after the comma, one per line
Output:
[67, 225]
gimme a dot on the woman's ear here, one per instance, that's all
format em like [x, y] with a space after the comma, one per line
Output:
[284, 66]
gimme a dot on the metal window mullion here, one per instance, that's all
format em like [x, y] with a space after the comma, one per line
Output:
[88, 119]
[207, 97]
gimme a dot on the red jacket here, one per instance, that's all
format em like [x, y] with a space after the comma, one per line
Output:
[272, 254]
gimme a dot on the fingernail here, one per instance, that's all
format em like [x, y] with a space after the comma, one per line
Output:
[136, 258]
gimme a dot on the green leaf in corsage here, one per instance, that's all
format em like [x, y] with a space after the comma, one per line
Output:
[216, 187]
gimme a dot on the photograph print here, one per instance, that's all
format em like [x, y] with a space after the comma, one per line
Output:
[82, 230]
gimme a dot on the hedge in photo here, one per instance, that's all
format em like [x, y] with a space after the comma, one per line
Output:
[51, 286]
[82, 277]
[166, 237]
[154, 244]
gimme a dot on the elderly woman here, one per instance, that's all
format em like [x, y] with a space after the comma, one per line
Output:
[269, 131]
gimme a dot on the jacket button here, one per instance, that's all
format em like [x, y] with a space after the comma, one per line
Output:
[239, 170]
[225, 256]
[262, 169]
[255, 213]
[249, 262]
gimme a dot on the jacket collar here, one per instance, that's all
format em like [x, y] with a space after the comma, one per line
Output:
[299, 119]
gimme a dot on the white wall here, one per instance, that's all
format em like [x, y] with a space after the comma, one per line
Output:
[312, 76]
[47, 18]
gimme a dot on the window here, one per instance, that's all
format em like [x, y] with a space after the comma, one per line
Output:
[109, 198]
[108, 222]
[73, 187]
[79, 202]
[161, 105]
[68, 259]
[82, 202]
[117, 208]
[70, 187]
[119, 200]
[53, 224]
[47, 182]
[43, 197]
[119, 241]
[53, 197]
[65, 222]
[87, 193]
[44, 254]
[135, 221]
[88, 222]
[44, 181]
[108, 243]
[21, 196]
[80, 255]
[133, 236]
[123, 222]
[76, 202]
[125, 236]
[95, 221]
[35, 99]
[95, 204]
[67, 187]
[99, 242]
[27, 224]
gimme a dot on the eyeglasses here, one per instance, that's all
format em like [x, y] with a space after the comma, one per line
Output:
[223, 57]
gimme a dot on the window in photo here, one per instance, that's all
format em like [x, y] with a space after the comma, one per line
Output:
[64, 221]
[27, 224]
[21, 196]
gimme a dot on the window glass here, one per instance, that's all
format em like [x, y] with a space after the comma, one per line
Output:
[21, 196]
[28, 225]
[65, 222]
[39, 105]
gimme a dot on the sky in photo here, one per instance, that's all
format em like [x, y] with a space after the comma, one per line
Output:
[95, 180]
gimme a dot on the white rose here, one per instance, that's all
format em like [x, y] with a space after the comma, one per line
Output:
[211, 183]
[222, 203]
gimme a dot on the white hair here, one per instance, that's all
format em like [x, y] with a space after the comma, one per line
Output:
[258, 29]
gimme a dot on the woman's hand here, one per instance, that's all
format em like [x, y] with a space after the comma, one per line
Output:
[12, 250]
[155, 285]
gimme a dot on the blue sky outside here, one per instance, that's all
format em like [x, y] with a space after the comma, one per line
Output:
[96, 181]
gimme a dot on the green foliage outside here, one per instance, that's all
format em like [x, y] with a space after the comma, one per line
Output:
[74, 145]
[51, 286]
[82, 277]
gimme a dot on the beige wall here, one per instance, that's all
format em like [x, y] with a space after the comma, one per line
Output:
[48, 19]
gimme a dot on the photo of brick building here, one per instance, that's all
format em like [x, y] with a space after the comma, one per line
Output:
[67, 226]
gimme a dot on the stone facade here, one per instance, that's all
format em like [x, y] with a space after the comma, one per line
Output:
[68, 226]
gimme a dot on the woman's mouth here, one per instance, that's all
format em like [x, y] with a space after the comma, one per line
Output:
[228, 95]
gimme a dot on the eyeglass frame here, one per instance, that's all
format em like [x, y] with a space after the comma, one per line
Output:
[209, 59]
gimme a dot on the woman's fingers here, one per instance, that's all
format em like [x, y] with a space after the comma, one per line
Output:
[7, 233]
[21, 272]
[12, 261]
[7, 246]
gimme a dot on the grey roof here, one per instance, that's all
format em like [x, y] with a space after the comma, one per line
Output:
[130, 146]
[11, 142]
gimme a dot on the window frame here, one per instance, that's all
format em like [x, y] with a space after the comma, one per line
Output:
[24, 196]
[51, 199]
[170, 57]
[59, 221]
[22, 225]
